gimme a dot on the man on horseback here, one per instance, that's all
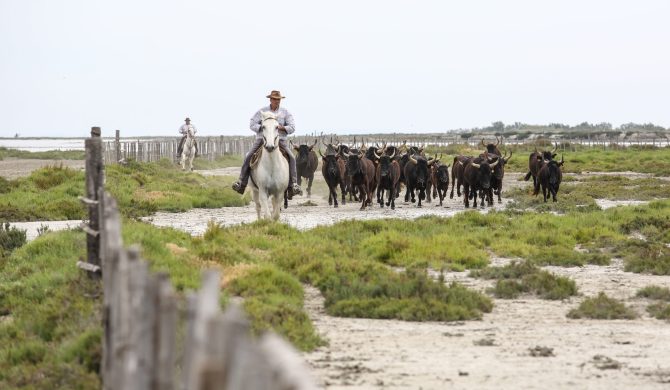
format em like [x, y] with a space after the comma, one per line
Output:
[286, 127]
[183, 130]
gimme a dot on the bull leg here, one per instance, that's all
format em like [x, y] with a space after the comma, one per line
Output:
[364, 196]
[544, 193]
[344, 194]
[380, 197]
[466, 198]
[330, 196]
[309, 185]
[392, 196]
[406, 194]
[412, 195]
[333, 194]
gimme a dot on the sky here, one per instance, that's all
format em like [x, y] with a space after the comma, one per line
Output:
[344, 66]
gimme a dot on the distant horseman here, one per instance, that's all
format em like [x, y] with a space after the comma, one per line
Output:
[183, 130]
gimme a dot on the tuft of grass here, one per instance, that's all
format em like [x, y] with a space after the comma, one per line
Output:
[654, 292]
[602, 307]
[660, 310]
[516, 278]
[10, 239]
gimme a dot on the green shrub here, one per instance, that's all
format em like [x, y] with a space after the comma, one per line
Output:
[10, 238]
[660, 310]
[602, 307]
[655, 292]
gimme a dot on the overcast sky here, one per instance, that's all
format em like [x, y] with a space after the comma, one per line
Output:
[344, 66]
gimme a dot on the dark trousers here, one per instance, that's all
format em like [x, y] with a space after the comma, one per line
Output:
[244, 174]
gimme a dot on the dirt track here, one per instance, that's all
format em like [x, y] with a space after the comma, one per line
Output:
[12, 168]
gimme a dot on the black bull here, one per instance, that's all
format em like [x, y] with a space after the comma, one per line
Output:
[388, 179]
[361, 171]
[306, 163]
[331, 170]
[549, 178]
[417, 177]
[477, 179]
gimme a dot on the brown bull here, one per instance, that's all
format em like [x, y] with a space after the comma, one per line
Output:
[535, 162]
[549, 178]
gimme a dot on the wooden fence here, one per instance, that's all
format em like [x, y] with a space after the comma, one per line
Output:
[214, 147]
[145, 344]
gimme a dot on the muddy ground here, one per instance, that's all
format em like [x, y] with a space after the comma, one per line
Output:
[525, 343]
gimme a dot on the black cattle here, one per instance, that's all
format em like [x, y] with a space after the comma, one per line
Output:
[535, 162]
[417, 176]
[388, 176]
[493, 148]
[549, 178]
[342, 150]
[440, 179]
[330, 168]
[498, 175]
[457, 169]
[477, 179]
[361, 172]
[306, 163]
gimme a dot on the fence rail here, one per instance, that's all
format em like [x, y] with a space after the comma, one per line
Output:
[152, 340]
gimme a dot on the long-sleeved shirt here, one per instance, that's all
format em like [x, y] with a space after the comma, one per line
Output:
[184, 129]
[283, 117]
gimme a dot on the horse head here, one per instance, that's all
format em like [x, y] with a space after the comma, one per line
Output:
[269, 130]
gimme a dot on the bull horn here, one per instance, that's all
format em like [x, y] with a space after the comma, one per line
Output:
[535, 148]
[561, 160]
[313, 145]
[546, 161]
[460, 162]
[345, 154]
[497, 140]
[413, 160]
[431, 162]
[510, 156]
[495, 163]
[474, 164]
[378, 156]
[483, 144]
[320, 154]
[555, 147]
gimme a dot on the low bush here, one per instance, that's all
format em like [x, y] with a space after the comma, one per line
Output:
[655, 292]
[602, 307]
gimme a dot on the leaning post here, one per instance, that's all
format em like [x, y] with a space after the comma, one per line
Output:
[117, 145]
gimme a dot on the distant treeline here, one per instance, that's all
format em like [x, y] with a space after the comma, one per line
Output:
[583, 130]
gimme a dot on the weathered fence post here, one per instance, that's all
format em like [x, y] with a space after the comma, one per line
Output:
[94, 181]
[117, 145]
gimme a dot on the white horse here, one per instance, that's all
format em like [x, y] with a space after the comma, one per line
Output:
[269, 176]
[188, 150]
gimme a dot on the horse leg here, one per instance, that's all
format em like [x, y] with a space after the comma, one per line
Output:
[182, 161]
[265, 207]
[286, 199]
[190, 159]
[257, 202]
[276, 205]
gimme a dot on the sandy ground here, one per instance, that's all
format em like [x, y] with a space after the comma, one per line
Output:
[494, 353]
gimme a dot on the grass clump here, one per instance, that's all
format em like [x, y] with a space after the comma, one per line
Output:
[602, 307]
[10, 239]
[517, 278]
[654, 292]
[660, 310]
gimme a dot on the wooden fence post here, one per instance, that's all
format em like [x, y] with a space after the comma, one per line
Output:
[94, 181]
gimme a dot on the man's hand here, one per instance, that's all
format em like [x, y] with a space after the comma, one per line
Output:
[281, 128]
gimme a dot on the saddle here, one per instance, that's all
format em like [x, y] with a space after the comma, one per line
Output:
[256, 157]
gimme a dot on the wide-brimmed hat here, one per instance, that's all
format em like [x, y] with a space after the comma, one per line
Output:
[187, 119]
[275, 95]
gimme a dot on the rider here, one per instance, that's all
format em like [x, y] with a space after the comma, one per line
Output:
[184, 132]
[286, 126]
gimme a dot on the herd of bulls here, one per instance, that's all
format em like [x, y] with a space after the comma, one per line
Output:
[363, 172]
